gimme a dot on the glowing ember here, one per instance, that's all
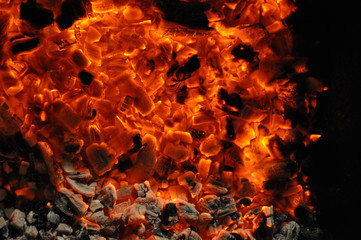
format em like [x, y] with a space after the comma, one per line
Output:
[156, 128]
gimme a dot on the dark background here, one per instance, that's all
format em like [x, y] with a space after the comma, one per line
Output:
[327, 33]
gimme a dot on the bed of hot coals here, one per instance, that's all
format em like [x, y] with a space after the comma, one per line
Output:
[153, 120]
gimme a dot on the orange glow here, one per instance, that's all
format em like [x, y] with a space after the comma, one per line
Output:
[124, 97]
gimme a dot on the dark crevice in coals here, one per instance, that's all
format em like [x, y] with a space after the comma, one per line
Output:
[189, 14]
[137, 142]
[85, 77]
[36, 15]
[25, 45]
[72, 10]
[233, 99]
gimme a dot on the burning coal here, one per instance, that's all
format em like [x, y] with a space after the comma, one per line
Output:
[153, 119]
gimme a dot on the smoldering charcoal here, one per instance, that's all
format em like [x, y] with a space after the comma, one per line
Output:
[153, 120]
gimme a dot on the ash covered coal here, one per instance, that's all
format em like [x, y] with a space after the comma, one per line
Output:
[127, 120]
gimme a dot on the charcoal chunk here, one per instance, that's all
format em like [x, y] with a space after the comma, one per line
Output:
[86, 77]
[170, 215]
[36, 15]
[244, 52]
[23, 46]
[71, 10]
[189, 14]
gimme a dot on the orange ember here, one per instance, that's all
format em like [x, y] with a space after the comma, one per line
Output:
[145, 122]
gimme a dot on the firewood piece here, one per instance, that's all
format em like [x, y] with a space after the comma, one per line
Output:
[188, 211]
[55, 172]
[101, 157]
[210, 146]
[84, 189]
[38, 17]
[64, 229]
[170, 215]
[31, 232]
[24, 45]
[17, 219]
[108, 196]
[69, 203]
